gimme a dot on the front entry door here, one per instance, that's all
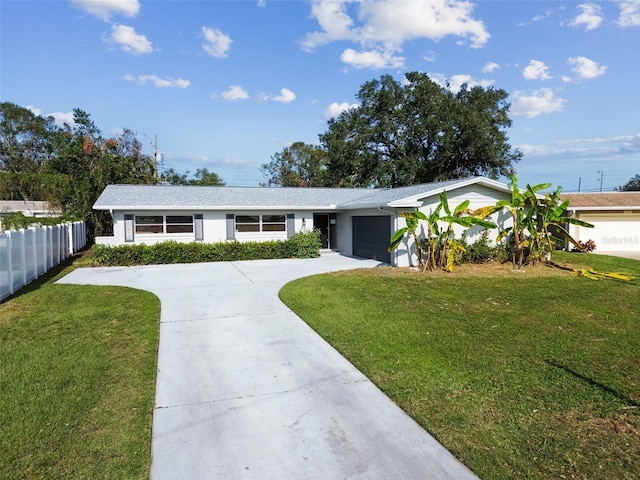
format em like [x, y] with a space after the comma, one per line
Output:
[321, 222]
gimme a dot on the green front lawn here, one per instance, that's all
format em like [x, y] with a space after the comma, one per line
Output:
[77, 380]
[532, 374]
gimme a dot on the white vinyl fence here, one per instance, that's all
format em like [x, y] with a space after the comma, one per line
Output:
[27, 254]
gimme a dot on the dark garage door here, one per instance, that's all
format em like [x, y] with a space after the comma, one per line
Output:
[371, 237]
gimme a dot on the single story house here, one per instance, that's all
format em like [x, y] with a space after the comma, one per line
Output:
[30, 208]
[615, 217]
[354, 221]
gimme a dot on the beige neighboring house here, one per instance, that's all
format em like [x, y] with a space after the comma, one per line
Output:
[614, 215]
[30, 208]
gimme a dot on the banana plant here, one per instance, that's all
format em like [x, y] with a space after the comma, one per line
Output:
[521, 208]
[550, 217]
[439, 246]
[412, 220]
[460, 215]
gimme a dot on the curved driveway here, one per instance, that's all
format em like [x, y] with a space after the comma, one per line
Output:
[246, 390]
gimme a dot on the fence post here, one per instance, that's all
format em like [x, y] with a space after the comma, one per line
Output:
[50, 248]
[23, 256]
[71, 237]
[10, 262]
[34, 249]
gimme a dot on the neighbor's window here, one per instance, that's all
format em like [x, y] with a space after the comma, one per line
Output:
[146, 224]
[261, 223]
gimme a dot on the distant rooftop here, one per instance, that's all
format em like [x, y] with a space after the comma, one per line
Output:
[607, 200]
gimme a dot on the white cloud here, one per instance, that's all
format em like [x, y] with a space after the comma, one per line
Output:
[430, 56]
[262, 3]
[59, 118]
[216, 43]
[586, 68]
[490, 67]
[335, 109]
[536, 70]
[591, 16]
[235, 92]
[538, 103]
[585, 147]
[547, 14]
[372, 59]
[286, 96]
[128, 40]
[455, 82]
[629, 13]
[105, 9]
[381, 27]
[157, 81]
[34, 110]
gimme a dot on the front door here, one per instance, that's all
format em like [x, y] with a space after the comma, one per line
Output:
[321, 222]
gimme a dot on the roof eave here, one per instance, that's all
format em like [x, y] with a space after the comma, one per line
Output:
[607, 208]
[213, 208]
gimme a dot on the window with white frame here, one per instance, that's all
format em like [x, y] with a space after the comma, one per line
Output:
[154, 224]
[261, 223]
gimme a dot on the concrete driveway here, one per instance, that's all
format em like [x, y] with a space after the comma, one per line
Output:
[631, 255]
[246, 390]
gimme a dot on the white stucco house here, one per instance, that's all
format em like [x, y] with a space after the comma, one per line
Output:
[615, 217]
[353, 221]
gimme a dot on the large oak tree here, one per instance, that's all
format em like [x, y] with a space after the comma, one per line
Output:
[418, 132]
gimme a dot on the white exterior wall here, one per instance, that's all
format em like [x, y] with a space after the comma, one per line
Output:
[478, 196]
[214, 227]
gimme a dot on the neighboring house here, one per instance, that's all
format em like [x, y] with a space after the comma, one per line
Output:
[614, 215]
[354, 221]
[30, 208]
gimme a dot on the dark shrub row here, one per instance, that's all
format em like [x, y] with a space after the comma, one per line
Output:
[301, 245]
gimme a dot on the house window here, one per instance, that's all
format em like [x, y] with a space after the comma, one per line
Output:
[149, 224]
[261, 223]
[179, 224]
[273, 223]
[152, 224]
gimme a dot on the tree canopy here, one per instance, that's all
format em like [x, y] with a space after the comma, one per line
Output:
[417, 132]
[300, 165]
[70, 166]
[202, 177]
[404, 134]
[633, 185]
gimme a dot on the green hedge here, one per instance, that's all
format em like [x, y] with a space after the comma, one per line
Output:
[301, 245]
[18, 220]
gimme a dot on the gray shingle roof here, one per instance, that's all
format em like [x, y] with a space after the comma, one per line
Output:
[165, 197]
[119, 197]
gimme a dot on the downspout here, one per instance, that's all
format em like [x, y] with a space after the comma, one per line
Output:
[394, 253]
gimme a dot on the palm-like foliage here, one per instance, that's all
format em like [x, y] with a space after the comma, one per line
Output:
[439, 246]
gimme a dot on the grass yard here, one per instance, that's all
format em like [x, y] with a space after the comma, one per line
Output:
[532, 374]
[77, 380]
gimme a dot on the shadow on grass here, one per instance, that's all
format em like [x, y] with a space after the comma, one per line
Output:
[593, 383]
[76, 260]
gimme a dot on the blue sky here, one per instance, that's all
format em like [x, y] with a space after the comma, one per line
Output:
[227, 84]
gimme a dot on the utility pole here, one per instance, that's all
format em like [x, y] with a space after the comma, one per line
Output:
[155, 159]
[601, 178]
[579, 183]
